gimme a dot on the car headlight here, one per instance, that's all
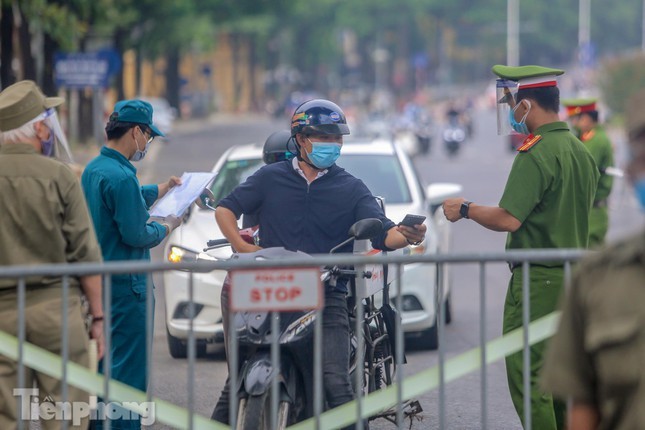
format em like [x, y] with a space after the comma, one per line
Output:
[179, 254]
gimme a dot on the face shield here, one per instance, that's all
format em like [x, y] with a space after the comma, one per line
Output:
[505, 95]
[56, 145]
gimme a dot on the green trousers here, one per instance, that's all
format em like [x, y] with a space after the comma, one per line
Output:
[598, 226]
[545, 288]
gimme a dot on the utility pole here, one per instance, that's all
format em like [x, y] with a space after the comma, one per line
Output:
[584, 30]
[513, 33]
[643, 28]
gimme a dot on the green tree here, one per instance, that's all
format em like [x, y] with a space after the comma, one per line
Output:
[621, 77]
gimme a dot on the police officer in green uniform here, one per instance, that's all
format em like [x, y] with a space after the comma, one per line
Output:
[596, 356]
[546, 204]
[583, 115]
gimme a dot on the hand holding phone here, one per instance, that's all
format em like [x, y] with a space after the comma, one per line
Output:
[411, 220]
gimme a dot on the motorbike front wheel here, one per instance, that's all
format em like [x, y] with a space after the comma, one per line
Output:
[255, 413]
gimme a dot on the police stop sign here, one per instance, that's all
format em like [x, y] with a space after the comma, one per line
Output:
[285, 289]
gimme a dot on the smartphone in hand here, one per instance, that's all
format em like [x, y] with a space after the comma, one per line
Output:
[411, 220]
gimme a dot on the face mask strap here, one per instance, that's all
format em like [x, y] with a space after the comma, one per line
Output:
[527, 111]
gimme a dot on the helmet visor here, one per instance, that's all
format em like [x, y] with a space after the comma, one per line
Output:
[506, 95]
[335, 129]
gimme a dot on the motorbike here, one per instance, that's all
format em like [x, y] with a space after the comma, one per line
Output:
[454, 136]
[296, 340]
[424, 130]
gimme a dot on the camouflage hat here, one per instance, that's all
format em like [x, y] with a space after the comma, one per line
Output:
[21, 103]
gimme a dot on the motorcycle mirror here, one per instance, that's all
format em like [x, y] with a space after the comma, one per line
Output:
[366, 229]
[206, 200]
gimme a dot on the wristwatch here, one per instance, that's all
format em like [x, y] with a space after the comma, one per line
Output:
[463, 210]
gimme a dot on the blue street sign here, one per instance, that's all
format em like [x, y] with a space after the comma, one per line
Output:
[85, 69]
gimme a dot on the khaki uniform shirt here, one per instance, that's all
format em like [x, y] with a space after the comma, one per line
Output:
[598, 354]
[551, 189]
[44, 218]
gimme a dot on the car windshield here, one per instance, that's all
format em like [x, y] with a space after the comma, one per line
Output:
[382, 174]
[233, 173]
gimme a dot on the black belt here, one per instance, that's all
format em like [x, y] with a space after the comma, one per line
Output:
[600, 203]
[512, 265]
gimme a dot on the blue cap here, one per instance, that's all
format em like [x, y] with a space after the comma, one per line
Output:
[135, 111]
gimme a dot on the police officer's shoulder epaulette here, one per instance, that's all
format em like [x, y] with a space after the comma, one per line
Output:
[588, 135]
[529, 142]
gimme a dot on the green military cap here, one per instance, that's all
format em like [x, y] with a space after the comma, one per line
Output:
[528, 76]
[578, 106]
[22, 102]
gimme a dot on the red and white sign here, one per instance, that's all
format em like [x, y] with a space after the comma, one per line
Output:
[285, 289]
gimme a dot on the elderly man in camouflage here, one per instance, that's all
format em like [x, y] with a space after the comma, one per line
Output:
[44, 221]
[596, 357]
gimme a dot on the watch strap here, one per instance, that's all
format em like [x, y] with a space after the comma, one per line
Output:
[463, 209]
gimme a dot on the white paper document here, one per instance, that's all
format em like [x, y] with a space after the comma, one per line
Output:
[180, 197]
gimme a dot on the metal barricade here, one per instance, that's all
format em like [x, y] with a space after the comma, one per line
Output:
[364, 407]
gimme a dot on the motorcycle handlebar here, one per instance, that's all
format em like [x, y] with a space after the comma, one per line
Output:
[348, 273]
[217, 242]
[327, 272]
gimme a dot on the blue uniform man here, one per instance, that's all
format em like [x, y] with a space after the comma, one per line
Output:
[119, 208]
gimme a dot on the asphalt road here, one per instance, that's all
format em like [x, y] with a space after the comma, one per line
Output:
[482, 167]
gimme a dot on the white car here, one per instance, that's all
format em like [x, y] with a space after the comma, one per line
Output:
[387, 171]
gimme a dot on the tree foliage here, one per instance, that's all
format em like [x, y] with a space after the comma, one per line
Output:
[620, 77]
[462, 37]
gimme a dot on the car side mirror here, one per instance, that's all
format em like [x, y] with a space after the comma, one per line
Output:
[438, 192]
[206, 200]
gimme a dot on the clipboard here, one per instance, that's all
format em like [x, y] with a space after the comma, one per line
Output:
[179, 198]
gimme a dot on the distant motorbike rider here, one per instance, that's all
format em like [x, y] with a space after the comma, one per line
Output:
[308, 204]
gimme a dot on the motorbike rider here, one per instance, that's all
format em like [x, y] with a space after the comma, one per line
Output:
[308, 204]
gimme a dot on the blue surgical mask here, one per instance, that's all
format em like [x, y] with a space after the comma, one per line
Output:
[639, 188]
[139, 154]
[324, 154]
[520, 127]
[48, 145]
